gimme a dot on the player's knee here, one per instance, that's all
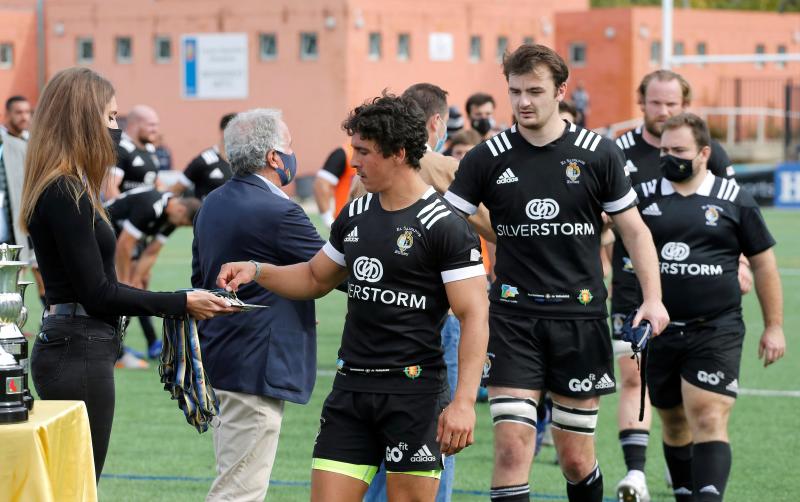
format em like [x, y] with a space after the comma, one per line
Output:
[674, 425]
[631, 380]
[575, 463]
[709, 420]
[512, 454]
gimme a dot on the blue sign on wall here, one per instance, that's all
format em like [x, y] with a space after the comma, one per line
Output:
[190, 67]
[787, 185]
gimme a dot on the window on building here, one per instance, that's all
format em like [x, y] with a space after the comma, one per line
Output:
[375, 40]
[403, 46]
[475, 48]
[85, 50]
[6, 55]
[502, 47]
[760, 49]
[781, 50]
[577, 53]
[163, 48]
[267, 46]
[655, 52]
[701, 50]
[678, 49]
[124, 49]
[528, 41]
[309, 48]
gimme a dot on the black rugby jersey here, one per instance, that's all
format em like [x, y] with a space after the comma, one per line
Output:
[142, 213]
[137, 167]
[699, 239]
[399, 262]
[206, 172]
[642, 164]
[545, 205]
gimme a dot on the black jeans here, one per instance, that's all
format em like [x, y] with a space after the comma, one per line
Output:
[73, 359]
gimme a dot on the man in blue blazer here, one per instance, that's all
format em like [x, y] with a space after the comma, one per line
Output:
[259, 359]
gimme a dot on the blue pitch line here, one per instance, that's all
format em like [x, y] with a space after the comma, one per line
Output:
[306, 484]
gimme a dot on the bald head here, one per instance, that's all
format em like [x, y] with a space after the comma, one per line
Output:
[142, 125]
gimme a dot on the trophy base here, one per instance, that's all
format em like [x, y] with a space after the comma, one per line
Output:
[13, 414]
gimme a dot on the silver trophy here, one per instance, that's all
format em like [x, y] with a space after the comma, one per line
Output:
[11, 303]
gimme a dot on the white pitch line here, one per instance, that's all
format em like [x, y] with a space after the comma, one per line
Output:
[742, 392]
[769, 392]
[789, 271]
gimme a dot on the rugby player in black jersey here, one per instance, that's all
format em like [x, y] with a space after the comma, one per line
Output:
[701, 224]
[209, 170]
[546, 183]
[137, 163]
[408, 255]
[661, 95]
[143, 219]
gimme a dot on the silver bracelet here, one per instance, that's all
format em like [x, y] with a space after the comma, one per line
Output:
[258, 269]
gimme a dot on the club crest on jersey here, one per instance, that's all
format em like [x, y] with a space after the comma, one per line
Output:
[712, 214]
[627, 265]
[585, 297]
[404, 243]
[507, 291]
[487, 364]
[572, 170]
[413, 372]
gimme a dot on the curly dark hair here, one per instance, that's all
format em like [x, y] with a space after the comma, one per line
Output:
[393, 123]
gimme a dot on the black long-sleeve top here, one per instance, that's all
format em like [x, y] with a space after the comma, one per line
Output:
[75, 250]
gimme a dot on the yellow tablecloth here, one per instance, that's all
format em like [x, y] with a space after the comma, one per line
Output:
[49, 457]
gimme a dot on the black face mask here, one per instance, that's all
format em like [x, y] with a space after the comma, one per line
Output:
[675, 168]
[116, 135]
[483, 125]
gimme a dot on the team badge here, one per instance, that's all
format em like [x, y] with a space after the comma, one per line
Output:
[627, 264]
[573, 172]
[413, 372]
[712, 214]
[487, 364]
[507, 291]
[404, 242]
[339, 364]
[585, 297]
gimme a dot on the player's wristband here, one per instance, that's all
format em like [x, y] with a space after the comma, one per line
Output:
[258, 269]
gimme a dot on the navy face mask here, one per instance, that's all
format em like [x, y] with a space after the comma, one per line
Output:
[289, 170]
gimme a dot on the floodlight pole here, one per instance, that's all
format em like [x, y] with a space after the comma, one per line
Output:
[666, 34]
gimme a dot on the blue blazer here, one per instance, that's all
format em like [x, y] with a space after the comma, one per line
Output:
[267, 352]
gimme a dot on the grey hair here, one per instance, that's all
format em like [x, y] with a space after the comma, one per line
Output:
[249, 137]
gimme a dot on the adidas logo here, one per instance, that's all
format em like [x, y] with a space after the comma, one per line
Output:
[216, 174]
[652, 210]
[352, 236]
[508, 176]
[605, 382]
[423, 455]
[733, 386]
[682, 491]
[709, 489]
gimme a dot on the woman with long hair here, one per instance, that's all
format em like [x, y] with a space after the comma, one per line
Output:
[69, 152]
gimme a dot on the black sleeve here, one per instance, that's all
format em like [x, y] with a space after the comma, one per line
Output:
[336, 162]
[194, 171]
[298, 237]
[468, 188]
[616, 193]
[458, 249]
[73, 229]
[754, 236]
[719, 163]
[166, 230]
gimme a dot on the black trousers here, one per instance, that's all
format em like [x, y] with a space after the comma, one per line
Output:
[73, 359]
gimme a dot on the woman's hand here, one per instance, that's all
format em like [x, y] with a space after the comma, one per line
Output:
[204, 305]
